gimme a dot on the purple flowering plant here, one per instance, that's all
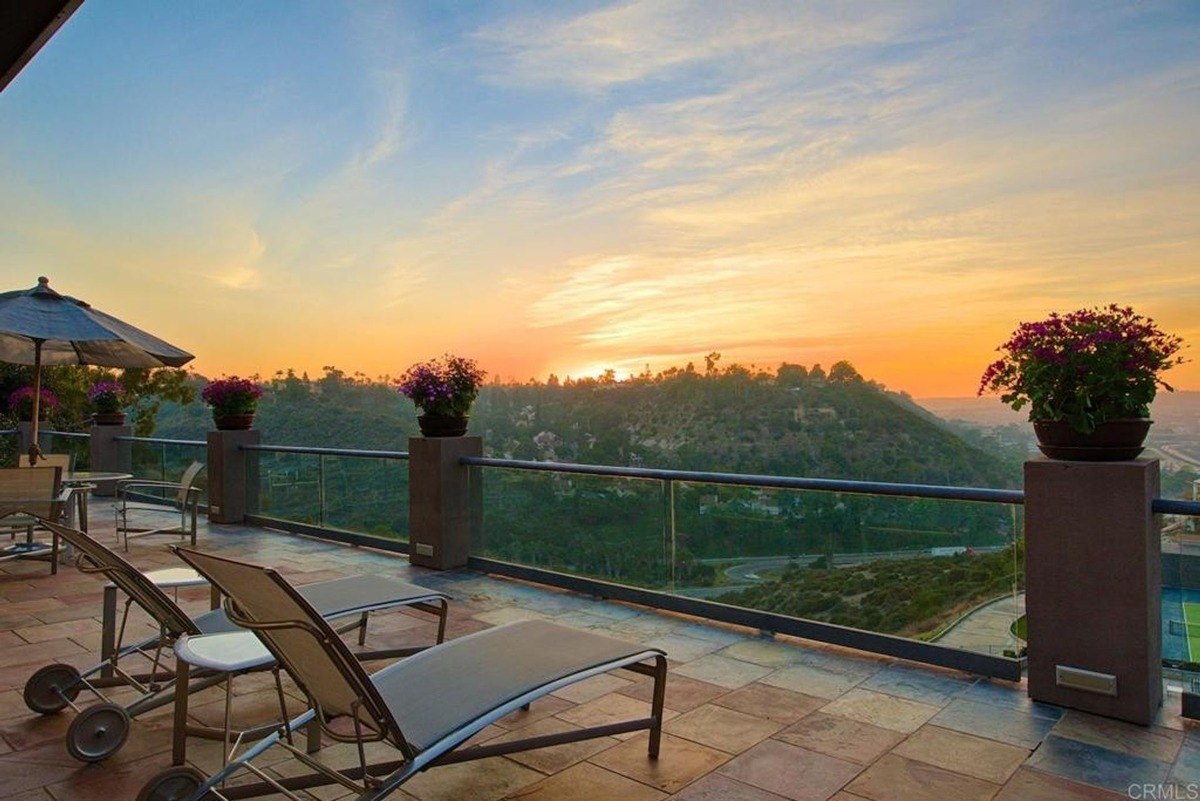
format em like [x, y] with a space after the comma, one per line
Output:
[20, 402]
[445, 386]
[233, 395]
[1086, 367]
[106, 397]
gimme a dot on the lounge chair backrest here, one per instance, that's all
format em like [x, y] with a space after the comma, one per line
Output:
[62, 460]
[187, 480]
[94, 557]
[31, 491]
[316, 658]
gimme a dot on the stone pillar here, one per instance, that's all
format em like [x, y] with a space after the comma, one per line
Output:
[107, 455]
[25, 435]
[1093, 576]
[230, 474]
[440, 500]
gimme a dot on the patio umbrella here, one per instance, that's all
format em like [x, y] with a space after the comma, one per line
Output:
[39, 326]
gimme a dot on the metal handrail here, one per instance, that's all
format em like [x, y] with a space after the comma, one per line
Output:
[983, 494]
[326, 451]
[198, 443]
[68, 434]
[1170, 506]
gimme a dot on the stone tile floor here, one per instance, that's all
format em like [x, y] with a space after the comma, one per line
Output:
[749, 718]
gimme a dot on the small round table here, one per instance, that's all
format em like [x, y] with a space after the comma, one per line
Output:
[83, 482]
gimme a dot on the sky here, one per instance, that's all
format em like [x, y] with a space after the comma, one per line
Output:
[569, 187]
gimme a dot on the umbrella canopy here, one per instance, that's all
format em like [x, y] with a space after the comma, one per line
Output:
[39, 326]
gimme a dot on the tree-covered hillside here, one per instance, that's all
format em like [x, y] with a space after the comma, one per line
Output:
[793, 422]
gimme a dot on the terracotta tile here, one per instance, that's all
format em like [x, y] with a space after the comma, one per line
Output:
[715, 787]
[840, 737]
[1025, 728]
[587, 782]
[1092, 764]
[611, 708]
[767, 653]
[590, 689]
[878, 709]
[963, 753]
[555, 758]
[894, 778]
[791, 772]
[773, 703]
[1033, 785]
[723, 671]
[812, 680]
[1150, 742]
[682, 693]
[483, 780]
[725, 729]
[541, 708]
[680, 648]
[679, 763]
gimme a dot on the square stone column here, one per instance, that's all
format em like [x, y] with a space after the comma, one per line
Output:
[1093, 577]
[106, 455]
[440, 500]
[232, 476]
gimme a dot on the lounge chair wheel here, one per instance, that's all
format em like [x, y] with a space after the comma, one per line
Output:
[173, 784]
[52, 688]
[97, 732]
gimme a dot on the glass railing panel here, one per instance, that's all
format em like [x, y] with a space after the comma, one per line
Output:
[75, 444]
[1180, 538]
[289, 487]
[365, 495]
[166, 461]
[950, 572]
[594, 526]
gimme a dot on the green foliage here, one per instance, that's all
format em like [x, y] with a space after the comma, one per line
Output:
[895, 596]
[144, 392]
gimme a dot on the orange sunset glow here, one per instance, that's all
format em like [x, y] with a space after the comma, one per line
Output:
[572, 188]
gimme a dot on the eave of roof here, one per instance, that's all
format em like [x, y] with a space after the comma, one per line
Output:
[25, 26]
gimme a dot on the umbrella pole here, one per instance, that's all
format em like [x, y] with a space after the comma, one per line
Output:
[34, 450]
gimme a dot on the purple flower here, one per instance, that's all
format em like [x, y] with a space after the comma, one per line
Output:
[447, 386]
[20, 402]
[1084, 367]
[231, 395]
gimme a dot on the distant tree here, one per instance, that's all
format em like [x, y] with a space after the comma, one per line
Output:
[843, 372]
[710, 362]
[816, 373]
[791, 375]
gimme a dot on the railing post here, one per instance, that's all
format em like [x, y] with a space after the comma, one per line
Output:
[440, 500]
[1093, 586]
[229, 474]
[668, 499]
[107, 455]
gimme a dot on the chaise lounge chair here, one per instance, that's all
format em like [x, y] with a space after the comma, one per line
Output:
[98, 731]
[425, 707]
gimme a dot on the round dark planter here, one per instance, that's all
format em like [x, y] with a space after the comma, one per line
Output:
[1112, 441]
[442, 425]
[233, 422]
[109, 418]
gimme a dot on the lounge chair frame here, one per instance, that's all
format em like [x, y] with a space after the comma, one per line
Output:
[369, 713]
[56, 686]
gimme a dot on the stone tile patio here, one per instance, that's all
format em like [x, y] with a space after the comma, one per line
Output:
[749, 718]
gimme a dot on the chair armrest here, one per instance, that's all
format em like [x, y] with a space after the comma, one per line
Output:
[145, 482]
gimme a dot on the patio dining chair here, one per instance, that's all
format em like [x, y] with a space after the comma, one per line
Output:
[99, 730]
[144, 507]
[424, 707]
[28, 496]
